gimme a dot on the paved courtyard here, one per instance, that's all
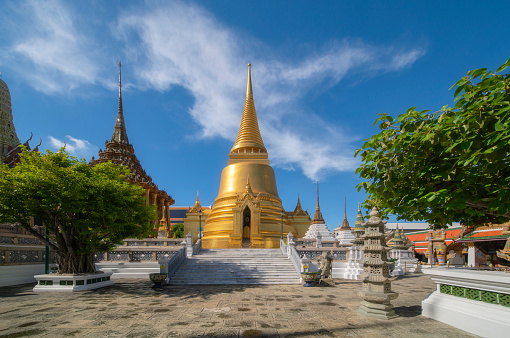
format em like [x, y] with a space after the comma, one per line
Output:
[131, 308]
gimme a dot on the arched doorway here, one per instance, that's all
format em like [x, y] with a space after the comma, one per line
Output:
[246, 227]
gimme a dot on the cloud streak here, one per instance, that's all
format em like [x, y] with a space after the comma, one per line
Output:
[181, 44]
[76, 147]
[50, 50]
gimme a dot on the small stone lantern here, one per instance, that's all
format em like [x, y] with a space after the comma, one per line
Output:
[376, 286]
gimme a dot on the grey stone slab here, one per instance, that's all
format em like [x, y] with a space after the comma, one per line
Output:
[133, 308]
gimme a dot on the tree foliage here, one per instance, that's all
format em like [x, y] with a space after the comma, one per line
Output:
[178, 230]
[86, 209]
[448, 166]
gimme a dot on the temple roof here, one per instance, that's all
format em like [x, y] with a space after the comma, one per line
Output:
[197, 207]
[248, 138]
[298, 211]
[119, 151]
[119, 133]
[358, 225]
[317, 217]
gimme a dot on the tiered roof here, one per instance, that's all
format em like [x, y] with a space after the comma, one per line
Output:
[121, 152]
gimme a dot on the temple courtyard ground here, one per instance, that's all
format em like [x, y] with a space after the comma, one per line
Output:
[131, 308]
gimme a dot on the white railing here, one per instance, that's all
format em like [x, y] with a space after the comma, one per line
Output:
[197, 247]
[176, 261]
[283, 247]
[292, 253]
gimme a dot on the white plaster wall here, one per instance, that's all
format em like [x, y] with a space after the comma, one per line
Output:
[19, 274]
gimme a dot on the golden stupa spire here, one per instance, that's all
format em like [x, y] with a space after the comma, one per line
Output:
[317, 217]
[249, 139]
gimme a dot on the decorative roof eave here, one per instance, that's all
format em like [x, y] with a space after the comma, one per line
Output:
[469, 238]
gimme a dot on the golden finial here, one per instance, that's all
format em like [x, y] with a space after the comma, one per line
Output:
[248, 138]
[249, 90]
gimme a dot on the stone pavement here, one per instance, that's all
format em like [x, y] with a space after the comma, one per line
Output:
[131, 308]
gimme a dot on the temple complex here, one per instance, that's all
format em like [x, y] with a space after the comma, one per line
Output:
[344, 233]
[248, 211]
[318, 225]
[119, 151]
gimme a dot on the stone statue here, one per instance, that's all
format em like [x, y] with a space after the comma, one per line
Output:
[325, 264]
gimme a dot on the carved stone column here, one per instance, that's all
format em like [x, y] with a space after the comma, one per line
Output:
[376, 286]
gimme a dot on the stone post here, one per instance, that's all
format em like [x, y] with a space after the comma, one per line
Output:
[318, 242]
[471, 260]
[189, 245]
[376, 285]
[290, 244]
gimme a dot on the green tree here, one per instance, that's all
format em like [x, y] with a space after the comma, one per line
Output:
[178, 230]
[86, 209]
[449, 166]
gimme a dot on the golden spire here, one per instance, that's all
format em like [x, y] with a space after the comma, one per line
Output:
[249, 139]
[317, 217]
[119, 133]
[248, 189]
[299, 209]
[197, 207]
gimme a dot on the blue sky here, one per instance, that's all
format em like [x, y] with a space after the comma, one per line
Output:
[321, 72]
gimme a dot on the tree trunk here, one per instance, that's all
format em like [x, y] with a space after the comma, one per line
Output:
[75, 264]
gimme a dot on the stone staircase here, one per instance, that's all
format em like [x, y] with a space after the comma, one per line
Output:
[236, 266]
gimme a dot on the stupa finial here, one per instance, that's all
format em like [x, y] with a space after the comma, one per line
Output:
[248, 139]
[249, 90]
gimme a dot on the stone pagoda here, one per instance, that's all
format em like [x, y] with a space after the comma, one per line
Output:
[119, 151]
[318, 225]
[359, 230]
[376, 285]
[344, 233]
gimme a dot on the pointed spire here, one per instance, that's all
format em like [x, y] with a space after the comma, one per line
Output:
[298, 211]
[249, 90]
[197, 207]
[248, 190]
[345, 223]
[397, 236]
[317, 217]
[249, 139]
[119, 133]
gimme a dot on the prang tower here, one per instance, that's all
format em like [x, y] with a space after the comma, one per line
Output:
[247, 211]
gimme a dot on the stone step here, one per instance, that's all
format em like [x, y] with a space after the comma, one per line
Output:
[236, 266]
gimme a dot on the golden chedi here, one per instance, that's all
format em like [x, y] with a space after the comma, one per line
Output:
[247, 212]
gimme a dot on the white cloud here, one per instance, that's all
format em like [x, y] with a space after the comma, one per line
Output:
[180, 44]
[49, 49]
[186, 47]
[76, 147]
